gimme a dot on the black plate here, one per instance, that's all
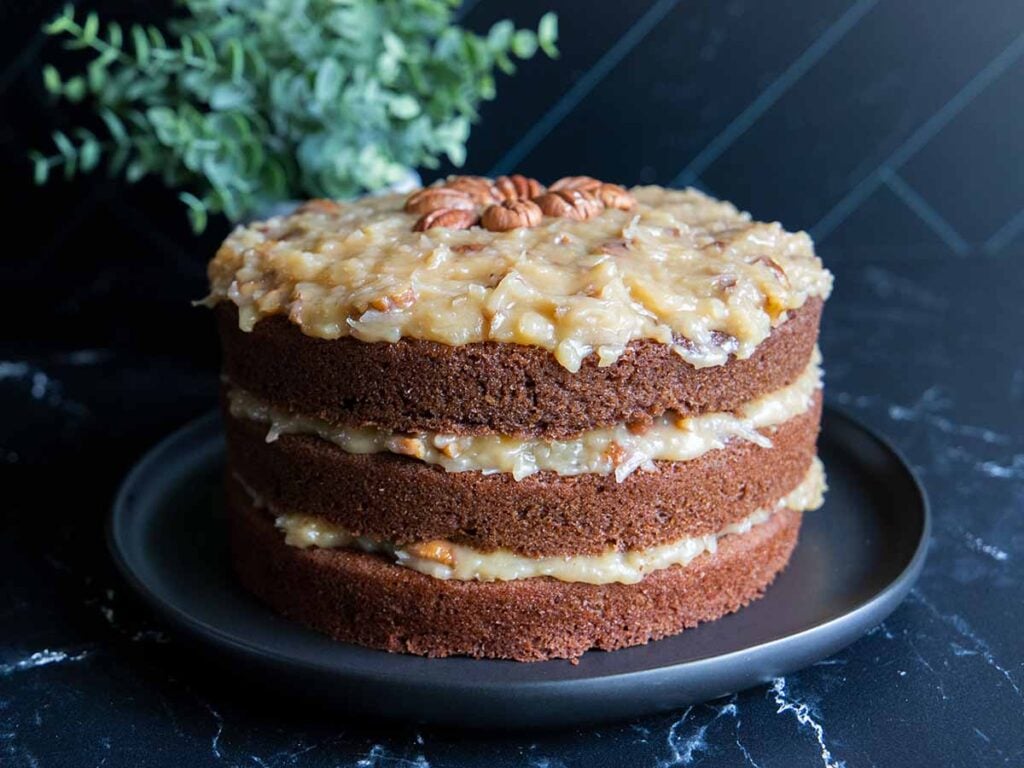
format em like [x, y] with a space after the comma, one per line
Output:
[856, 560]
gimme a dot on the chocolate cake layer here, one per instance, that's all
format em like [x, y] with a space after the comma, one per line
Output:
[497, 388]
[399, 499]
[361, 598]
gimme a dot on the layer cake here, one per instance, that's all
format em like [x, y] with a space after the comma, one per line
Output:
[504, 420]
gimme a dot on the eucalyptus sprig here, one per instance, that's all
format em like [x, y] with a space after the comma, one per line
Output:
[242, 103]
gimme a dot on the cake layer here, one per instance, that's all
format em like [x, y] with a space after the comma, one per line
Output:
[503, 389]
[402, 500]
[619, 450]
[445, 560]
[363, 598]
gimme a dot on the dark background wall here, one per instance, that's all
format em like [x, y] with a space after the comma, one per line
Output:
[884, 127]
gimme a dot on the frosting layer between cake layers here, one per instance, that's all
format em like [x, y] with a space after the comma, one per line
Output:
[445, 560]
[618, 450]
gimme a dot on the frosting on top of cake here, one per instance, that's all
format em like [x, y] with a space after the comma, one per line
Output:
[677, 267]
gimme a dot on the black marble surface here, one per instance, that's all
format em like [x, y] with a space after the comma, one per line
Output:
[926, 351]
[893, 135]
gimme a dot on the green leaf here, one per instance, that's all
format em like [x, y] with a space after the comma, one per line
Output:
[547, 34]
[90, 29]
[40, 167]
[75, 88]
[115, 36]
[114, 125]
[197, 213]
[62, 23]
[237, 54]
[51, 79]
[500, 36]
[524, 44]
[327, 83]
[141, 44]
[404, 107]
[89, 151]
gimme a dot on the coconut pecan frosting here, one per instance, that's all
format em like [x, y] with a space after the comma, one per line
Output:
[511, 202]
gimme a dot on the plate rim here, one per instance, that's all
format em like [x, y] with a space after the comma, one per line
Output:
[848, 626]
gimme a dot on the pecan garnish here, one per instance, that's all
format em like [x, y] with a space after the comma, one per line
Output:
[614, 196]
[481, 190]
[517, 187]
[569, 204]
[436, 550]
[775, 267]
[511, 214]
[409, 446]
[639, 427]
[449, 218]
[319, 205]
[436, 198]
[508, 202]
[615, 247]
[468, 247]
[402, 300]
[582, 183]
[615, 453]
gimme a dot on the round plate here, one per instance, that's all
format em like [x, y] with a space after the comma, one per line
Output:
[856, 559]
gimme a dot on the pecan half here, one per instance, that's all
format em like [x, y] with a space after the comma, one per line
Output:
[402, 300]
[615, 247]
[436, 550]
[511, 214]
[615, 453]
[517, 187]
[409, 446]
[569, 204]
[468, 247]
[480, 189]
[582, 183]
[435, 198]
[319, 205]
[775, 267]
[448, 218]
[614, 196]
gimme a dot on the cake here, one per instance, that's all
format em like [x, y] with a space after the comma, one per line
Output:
[503, 420]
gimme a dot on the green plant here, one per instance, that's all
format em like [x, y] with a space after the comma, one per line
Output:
[245, 102]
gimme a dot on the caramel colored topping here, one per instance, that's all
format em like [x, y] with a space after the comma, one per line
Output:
[679, 268]
[319, 206]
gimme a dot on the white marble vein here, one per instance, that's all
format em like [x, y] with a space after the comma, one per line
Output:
[960, 625]
[215, 739]
[978, 545]
[802, 713]
[927, 410]
[1012, 471]
[886, 284]
[40, 385]
[43, 658]
[380, 757]
[684, 747]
